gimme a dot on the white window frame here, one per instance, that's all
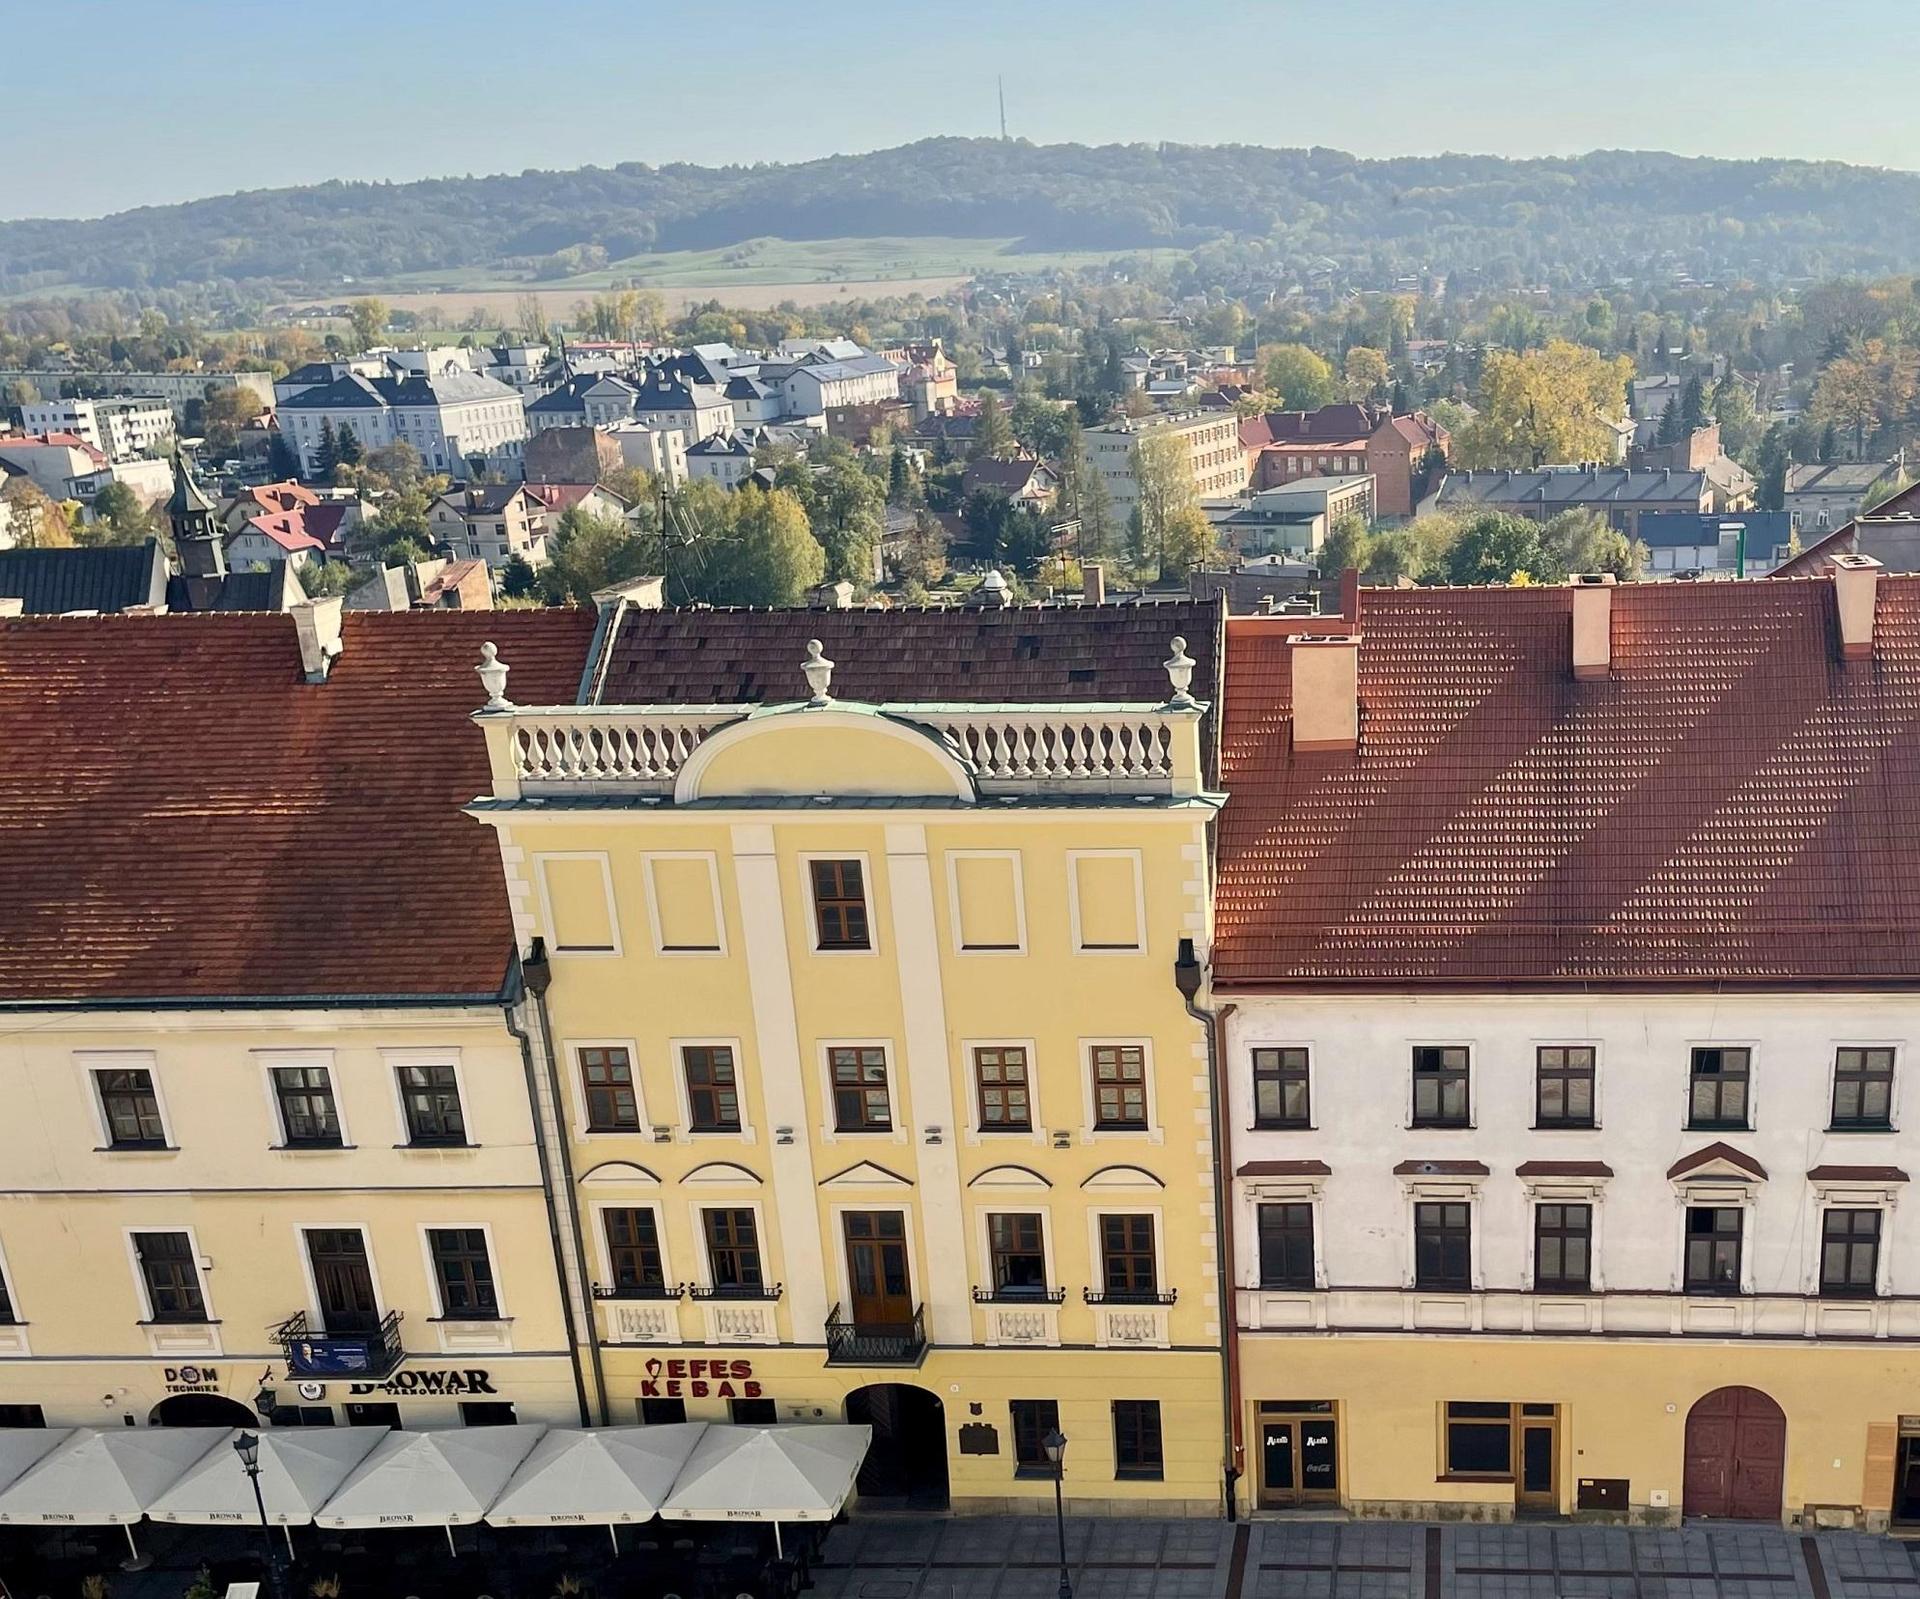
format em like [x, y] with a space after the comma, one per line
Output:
[1717, 1195]
[647, 858]
[805, 860]
[317, 1316]
[603, 1256]
[1153, 1132]
[1253, 1126]
[896, 1092]
[577, 1088]
[1096, 1255]
[983, 1238]
[1260, 1191]
[577, 952]
[1752, 1047]
[396, 1058]
[703, 1272]
[1566, 1191]
[271, 1060]
[684, 1130]
[147, 1317]
[918, 1287]
[976, 1134]
[13, 1297]
[960, 946]
[1893, 1097]
[1074, 857]
[1534, 1046]
[1472, 1123]
[1442, 1191]
[503, 1311]
[92, 1061]
[1852, 1195]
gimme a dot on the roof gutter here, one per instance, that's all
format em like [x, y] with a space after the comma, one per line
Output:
[262, 1002]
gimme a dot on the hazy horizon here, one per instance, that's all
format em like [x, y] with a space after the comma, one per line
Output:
[206, 97]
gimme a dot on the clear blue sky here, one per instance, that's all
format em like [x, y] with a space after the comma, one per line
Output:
[134, 102]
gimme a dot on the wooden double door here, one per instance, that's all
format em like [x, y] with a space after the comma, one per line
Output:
[1299, 1454]
[343, 1280]
[1736, 1456]
[879, 1283]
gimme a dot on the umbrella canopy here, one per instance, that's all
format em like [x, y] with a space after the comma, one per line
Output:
[614, 1474]
[790, 1473]
[299, 1470]
[430, 1479]
[96, 1479]
[21, 1447]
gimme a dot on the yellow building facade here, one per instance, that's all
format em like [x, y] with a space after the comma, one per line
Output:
[879, 1101]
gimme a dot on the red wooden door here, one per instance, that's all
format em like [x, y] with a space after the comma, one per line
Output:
[1736, 1456]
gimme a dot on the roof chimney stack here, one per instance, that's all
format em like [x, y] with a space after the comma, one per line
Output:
[1326, 691]
[1592, 624]
[1093, 583]
[1856, 586]
[317, 625]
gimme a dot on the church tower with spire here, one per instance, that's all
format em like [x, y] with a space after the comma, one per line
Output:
[197, 533]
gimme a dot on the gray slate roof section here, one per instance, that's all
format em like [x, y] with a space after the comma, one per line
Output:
[54, 582]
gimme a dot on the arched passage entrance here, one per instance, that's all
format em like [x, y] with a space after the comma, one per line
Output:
[201, 1410]
[1736, 1456]
[907, 1465]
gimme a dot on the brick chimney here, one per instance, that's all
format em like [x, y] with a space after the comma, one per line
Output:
[1326, 691]
[1093, 583]
[1592, 624]
[316, 623]
[1856, 586]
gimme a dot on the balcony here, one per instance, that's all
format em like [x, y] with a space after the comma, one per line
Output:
[740, 1315]
[355, 1354]
[649, 1314]
[1131, 1319]
[853, 1343]
[1021, 1316]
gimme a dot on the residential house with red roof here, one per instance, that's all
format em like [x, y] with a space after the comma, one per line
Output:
[1344, 439]
[1566, 947]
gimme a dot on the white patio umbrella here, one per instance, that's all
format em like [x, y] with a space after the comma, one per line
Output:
[21, 1447]
[299, 1470]
[430, 1479]
[788, 1473]
[96, 1479]
[607, 1476]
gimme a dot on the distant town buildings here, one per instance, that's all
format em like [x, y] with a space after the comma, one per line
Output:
[119, 429]
[450, 419]
[1208, 443]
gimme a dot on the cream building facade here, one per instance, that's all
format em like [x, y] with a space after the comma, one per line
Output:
[879, 1100]
[1205, 443]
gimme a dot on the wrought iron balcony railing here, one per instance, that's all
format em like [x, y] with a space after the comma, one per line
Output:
[1019, 1296]
[858, 1343]
[371, 1353]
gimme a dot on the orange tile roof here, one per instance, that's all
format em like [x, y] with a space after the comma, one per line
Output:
[1731, 806]
[183, 817]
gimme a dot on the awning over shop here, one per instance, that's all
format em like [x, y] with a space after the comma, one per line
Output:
[23, 1447]
[95, 1479]
[793, 1473]
[299, 1471]
[430, 1479]
[601, 1477]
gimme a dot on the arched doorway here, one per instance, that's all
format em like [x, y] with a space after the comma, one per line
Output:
[1736, 1456]
[906, 1468]
[201, 1410]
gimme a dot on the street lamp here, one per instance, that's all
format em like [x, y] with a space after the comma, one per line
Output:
[247, 1446]
[1055, 1444]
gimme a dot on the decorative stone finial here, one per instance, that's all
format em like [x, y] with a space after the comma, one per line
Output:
[493, 678]
[1180, 673]
[819, 671]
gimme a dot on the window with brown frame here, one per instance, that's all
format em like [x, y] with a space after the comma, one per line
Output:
[464, 1271]
[1033, 1420]
[1136, 1440]
[633, 1249]
[1119, 1087]
[1286, 1245]
[1128, 1268]
[1563, 1085]
[1850, 1253]
[430, 1096]
[1863, 1091]
[713, 1089]
[1713, 1249]
[1016, 1241]
[1280, 1093]
[1443, 1244]
[1562, 1248]
[606, 1073]
[131, 1108]
[171, 1276]
[860, 1101]
[733, 1250]
[839, 905]
[1717, 1089]
[1006, 1104]
[1480, 1437]
[1440, 1085]
[309, 1118]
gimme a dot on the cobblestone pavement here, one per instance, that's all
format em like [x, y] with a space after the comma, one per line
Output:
[995, 1557]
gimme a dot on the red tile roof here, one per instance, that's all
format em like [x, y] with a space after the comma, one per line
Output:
[289, 532]
[1731, 806]
[182, 816]
[1856, 1174]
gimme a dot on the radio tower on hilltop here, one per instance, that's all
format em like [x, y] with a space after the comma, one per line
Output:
[1001, 83]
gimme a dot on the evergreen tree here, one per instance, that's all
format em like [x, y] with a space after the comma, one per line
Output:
[347, 445]
[903, 482]
[992, 437]
[1693, 405]
[281, 460]
[327, 457]
[1829, 443]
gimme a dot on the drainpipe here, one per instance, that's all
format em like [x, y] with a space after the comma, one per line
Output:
[1188, 974]
[534, 974]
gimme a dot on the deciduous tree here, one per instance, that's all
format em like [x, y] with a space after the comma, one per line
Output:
[1558, 403]
[1301, 380]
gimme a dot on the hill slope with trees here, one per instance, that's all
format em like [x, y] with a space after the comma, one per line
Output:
[1507, 220]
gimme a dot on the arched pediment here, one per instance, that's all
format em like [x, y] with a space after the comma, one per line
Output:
[828, 750]
[1123, 1177]
[721, 1174]
[1010, 1179]
[619, 1171]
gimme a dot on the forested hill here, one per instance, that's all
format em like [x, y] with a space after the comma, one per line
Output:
[1524, 221]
